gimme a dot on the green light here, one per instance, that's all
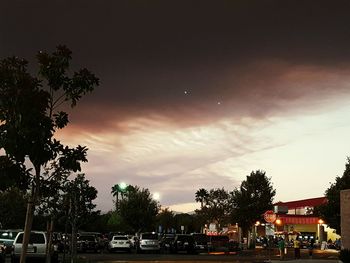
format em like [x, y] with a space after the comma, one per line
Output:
[122, 186]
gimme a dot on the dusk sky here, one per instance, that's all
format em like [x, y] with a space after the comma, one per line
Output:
[197, 94]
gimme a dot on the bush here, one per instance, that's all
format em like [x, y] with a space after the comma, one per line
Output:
[344, 255]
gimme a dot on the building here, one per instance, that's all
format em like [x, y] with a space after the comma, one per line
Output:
[298, 218]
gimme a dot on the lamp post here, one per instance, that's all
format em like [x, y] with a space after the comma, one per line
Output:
[156, 196]
[320, 230]
[257, 223]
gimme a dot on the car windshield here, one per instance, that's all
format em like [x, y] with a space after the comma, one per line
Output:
[4, 234]
[87, 238]
[35, 238]
[200, 237]
[185, 238]
[149, 236]
[120, 238]
[219, 238]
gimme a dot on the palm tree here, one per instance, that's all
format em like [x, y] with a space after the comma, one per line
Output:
[123, 189]
[115, 192]
[202, 196]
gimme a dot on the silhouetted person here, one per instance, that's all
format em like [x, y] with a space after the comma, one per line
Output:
[281, 246]
[311, 246]
[296, 248]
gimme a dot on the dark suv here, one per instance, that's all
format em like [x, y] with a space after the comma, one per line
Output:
[88, 243]
[183, 243]
[219, 243]
[166, 242]
[200, 242]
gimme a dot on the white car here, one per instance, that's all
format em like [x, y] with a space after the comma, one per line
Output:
[148, 242]
[119, 243]
[36, 246]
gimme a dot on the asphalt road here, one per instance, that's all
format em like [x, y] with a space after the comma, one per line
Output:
[257, 255]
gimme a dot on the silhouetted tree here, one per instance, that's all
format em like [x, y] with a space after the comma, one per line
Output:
[185, 220]
[217, 207]
[139, 210]
[12, 208]
[201, 196]
[166, 219]
[78, 198]
[252, 199]
[122, 189]
[13, 174]
[330, 211]
[30, 116]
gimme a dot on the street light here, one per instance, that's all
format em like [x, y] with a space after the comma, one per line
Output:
[320, 230]
[156, 196]
[257, 223]
[123, 186]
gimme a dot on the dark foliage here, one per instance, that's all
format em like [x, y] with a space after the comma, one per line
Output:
[330, 211]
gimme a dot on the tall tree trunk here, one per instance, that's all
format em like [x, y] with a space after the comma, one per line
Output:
[30, 213]
[27, 228]
[74, 243]
[49, 243]
[74, 229]
[254, 235]
[65, 239]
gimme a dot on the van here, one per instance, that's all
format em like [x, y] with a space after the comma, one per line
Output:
[36, 250]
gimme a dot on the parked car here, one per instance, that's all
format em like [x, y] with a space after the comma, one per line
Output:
[36, 250]
[148, 242]
[2, 252]
[200, 242]
[166, 242]
[101, 240]
[234, 246]
[88, 243]
[7, 237]
[183, 243]
[119, 243]
[219, 243]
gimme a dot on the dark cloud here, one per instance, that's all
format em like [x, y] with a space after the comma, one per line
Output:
[147, 53]
[259, 90]
[130, 32]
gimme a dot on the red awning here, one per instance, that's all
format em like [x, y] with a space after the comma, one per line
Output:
[312, 202]
[298, 220]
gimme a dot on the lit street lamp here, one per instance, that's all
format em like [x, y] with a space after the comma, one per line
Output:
[156, 196]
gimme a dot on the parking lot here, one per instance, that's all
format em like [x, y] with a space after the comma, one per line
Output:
[257, 255]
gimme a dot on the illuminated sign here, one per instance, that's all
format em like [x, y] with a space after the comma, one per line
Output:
[270, 216]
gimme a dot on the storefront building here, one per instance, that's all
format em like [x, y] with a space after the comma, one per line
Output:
[297, 218]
